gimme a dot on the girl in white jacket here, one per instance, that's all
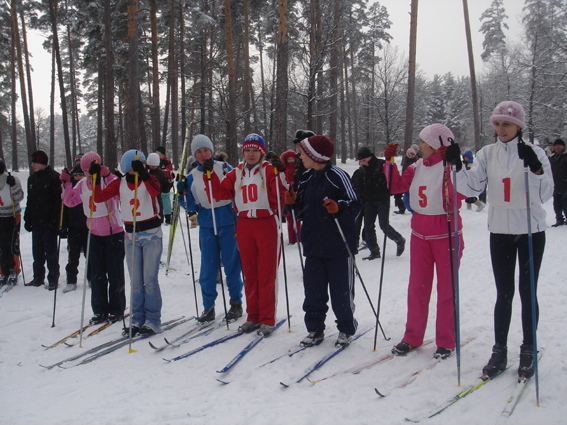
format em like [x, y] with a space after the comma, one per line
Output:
[501, 166]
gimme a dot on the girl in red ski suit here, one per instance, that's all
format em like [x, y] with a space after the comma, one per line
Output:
[253, 186]
[429, 247]
[289, 158]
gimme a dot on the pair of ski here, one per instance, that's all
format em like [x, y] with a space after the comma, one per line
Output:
[239, 356]
[318, 364]
[113, 345]
[477, 384]
[93, 333]
[194, 332]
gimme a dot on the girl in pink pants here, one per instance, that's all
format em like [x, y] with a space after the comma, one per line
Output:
[428, 182]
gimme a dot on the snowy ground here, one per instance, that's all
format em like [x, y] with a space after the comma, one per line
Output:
[140, 388]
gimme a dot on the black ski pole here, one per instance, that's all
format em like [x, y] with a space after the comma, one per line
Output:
[358, 273]
[297, 238]
[58, 250]
[383, 257]
[282, 246]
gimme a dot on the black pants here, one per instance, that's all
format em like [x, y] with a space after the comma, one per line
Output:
[399, 202]
[7, 261]
[44, 248]
[76, 242]
[560, 206]
[107, 283]
[321, 277]
[382, 210]
[504, 249]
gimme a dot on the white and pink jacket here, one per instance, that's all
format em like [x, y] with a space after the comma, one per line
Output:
[82, 193]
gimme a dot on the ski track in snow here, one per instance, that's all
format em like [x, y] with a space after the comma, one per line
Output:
[140, 388]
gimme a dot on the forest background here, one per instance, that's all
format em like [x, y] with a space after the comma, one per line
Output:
[140, 74]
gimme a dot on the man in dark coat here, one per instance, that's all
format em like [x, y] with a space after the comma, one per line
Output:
[559, 168]
[42, 216]
[372, 187]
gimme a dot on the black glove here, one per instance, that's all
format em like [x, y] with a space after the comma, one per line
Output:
[207, 165]
[527, 153]
[277, 163]
[453, 155]
[28, 227]
[302, 134]
[95, 169]
[139, 167]
[172, 177]
[11, 180]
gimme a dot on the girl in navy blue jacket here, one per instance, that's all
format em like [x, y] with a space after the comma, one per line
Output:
[323, 194]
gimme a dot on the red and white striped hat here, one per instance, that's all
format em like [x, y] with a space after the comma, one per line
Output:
[319, 148]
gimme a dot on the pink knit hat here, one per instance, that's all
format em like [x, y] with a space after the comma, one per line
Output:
[433, 132]
[88, 158]
[509, 111]
[319, 148]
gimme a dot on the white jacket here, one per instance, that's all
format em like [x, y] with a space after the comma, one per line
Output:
[509, 220]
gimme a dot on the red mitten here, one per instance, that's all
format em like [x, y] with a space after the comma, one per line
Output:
[332, 206]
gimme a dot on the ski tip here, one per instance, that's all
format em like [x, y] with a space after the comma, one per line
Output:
[223, 382]
[379, 393]
[166, 360]
[284, 384]
[152, 345]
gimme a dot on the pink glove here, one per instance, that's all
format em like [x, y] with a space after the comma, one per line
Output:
[65, 176]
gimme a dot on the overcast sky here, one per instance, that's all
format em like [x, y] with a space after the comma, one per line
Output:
[441, 40]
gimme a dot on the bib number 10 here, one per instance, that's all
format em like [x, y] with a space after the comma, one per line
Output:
[249, 193]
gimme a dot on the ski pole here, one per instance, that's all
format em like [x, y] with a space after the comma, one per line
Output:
[218, 245]
[91, 208]
[453, 289]
[192, 268]
[358, 272]
[298, 241]
[134, 212]
[58, 250]
[532, 279]
[282, 248]
[457, 302]
[383, 259]
[17, 230]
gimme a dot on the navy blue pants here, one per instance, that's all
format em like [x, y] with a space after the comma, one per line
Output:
[107, 275]
[44, 248]
[321, 277]
[504, 250]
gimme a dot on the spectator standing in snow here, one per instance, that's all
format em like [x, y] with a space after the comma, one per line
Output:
[106, 252]
[75, 227]
[501, 166]
[11, 194]
[253, 186]
[325, 194]
[373, 189]
[194, 197]
[559, 168]
[42, 216]
[167, 169]
[289, 158]
[428, 182]
[147, 236]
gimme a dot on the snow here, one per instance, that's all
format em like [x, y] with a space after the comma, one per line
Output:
[141, 388]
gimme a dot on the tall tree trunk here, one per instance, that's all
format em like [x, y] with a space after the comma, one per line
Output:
[100, 113]
[246, 86]
[232, 136]
[132, 134]
[354, 104]
[111, 154]
[334, 73]
[155, 77]
[53, 14]
[182, 73]
[174, 91]
[348, 109]
[313, 61]
[476, 120]
[28, 75]
[321, 82]
[52, 102]
[343, 111]
[13, 102]
[282, 80]
[410, 105]
[19, 55]
[74, 117]
[210, 97]
[263, 82]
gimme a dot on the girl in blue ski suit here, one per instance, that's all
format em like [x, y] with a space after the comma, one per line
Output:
[194, 197]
